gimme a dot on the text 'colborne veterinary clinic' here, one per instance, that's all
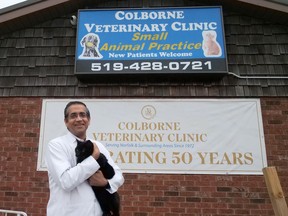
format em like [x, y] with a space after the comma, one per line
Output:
[153, 27]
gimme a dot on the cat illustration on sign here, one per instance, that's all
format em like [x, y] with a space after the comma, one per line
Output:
[90, 43]
[210, 46]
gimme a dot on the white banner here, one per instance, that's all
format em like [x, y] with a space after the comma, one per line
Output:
[194, 136]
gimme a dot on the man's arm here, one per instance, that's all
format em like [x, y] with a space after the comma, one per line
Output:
[63, 172]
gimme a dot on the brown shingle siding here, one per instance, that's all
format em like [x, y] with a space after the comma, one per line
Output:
[40, 60]
[256, 39]
[7, 82]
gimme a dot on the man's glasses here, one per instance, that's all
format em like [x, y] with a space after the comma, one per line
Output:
[80, 114]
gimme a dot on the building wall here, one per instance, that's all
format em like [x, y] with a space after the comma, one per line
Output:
[24, 188]
[38, 62]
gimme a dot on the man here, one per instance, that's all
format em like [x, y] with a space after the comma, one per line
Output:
[70, 183]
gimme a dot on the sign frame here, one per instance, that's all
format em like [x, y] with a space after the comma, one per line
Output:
[114, 54]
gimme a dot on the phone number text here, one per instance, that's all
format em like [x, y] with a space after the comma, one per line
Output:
[152, 66]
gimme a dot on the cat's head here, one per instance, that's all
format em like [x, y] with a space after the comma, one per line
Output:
[83, 150]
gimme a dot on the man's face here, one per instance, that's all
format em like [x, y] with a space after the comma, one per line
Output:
[77, 121]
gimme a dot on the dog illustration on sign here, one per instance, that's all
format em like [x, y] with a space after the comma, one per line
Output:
[90, 43]
[210, 46]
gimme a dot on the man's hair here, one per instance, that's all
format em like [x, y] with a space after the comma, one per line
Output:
[75, 103]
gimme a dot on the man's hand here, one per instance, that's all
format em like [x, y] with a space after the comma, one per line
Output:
[98, 179]
[96, 151]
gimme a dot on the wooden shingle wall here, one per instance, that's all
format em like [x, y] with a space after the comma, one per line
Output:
[39, 61]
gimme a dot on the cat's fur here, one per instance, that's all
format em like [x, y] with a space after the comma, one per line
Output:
[110, 203]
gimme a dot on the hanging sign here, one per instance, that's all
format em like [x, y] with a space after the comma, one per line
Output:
[149, 41]
[170, 136]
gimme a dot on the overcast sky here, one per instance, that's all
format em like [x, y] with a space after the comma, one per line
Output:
[7, 3]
